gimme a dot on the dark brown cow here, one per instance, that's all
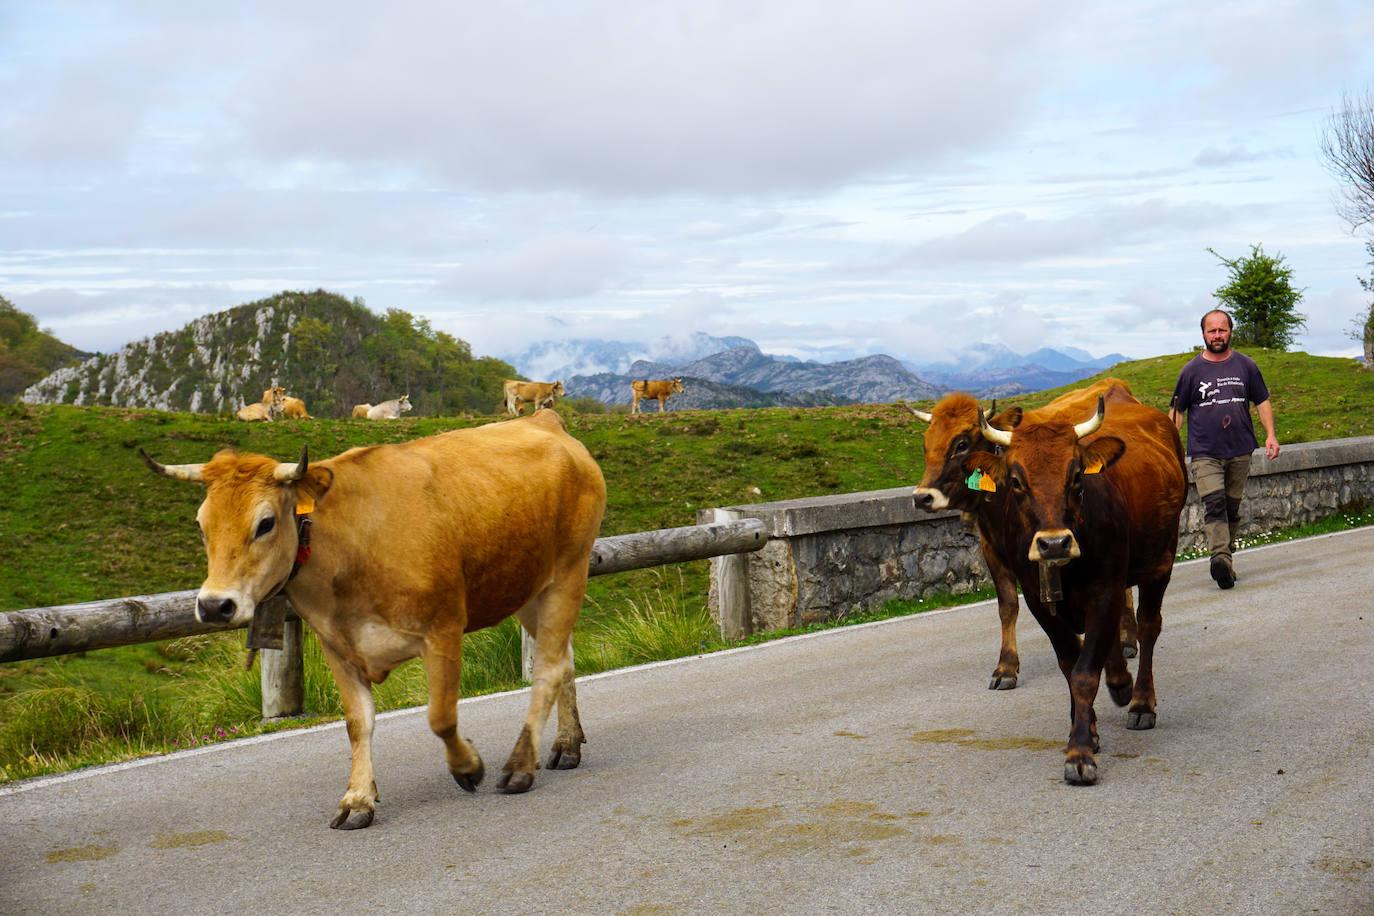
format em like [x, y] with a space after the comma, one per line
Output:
[953, 435]
[1084, 511]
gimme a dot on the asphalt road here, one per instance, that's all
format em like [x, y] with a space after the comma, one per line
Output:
[860, 770]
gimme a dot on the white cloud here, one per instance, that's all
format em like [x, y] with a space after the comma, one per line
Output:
[542, 269]
[827, 180]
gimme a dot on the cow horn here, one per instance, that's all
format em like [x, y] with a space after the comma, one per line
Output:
[992, 433]
[290, 473]
[1088, 427]
[174, 471]
[920, 414]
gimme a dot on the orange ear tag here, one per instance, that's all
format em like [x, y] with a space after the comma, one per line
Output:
[305, 505]
[1094, 466]
[987, 484]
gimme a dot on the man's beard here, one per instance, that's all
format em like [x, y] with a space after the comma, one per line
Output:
[1218, 346]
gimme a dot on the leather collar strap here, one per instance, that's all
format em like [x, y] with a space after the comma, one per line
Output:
[303, 544]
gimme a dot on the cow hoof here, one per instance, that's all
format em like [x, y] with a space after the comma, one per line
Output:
[1002, 682]
[1129, 650]
[515, 783]
[1080, 772]
[354, 819]
[1140, 721]
[1120, 695]
[469, 782]
[560, 759]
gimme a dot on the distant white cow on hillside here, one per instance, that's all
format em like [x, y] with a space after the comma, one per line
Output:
[390, 410]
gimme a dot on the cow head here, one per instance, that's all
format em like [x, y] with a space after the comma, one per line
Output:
[557, 390]
[403, 403]
[247, 523]
[1044, 470]
[677, 386]
[953, 435]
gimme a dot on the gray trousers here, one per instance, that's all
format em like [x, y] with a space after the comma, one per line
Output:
[1221, 486]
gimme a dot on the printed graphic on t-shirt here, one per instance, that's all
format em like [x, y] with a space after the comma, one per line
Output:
[1210, 394]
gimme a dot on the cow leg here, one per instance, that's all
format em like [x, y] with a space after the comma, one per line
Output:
[358, 804]
[1004, 676]
[634, 405]
[1099, 642]
[566, 752]
[1142, 713]
[443, 658]
[555, 610]
[1129, 635]
[1067, 648]
[660, 404]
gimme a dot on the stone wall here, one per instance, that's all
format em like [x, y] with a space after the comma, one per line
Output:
[831, 555]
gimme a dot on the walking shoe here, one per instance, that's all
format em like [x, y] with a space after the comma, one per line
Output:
[1221, 572]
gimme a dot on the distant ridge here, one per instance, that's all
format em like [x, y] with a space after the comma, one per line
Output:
[324, 348]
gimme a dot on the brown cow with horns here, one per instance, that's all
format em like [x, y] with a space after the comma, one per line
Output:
[952, 436]
[1087, 510]
[410, 547]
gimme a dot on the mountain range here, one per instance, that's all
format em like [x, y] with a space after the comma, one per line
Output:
[986, 370]
[335, 352]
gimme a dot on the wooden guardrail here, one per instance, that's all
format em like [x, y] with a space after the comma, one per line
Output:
[66, 629]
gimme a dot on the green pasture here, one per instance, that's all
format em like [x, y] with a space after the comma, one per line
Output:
[81, 518]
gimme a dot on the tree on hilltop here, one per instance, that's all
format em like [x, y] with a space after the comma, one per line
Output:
[1261, 299]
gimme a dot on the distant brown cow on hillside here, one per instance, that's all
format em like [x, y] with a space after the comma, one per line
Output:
[653, 389]
[268, 409]
[293, 408]
[540, 394]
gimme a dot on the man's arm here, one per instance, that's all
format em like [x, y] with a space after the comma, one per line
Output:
[1176, 417]
[1266, 415]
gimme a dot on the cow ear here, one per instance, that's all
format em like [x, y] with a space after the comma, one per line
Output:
[311, 488]
[1007, 419]
[1102, 454]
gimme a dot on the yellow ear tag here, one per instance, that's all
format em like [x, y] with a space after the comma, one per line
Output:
[987, 484]
[305, 505]
[1094, 466]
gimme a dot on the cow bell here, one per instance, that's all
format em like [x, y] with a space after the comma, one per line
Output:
[267, 628]
[1051, 588]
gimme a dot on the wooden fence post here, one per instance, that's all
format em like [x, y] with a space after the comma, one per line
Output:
[526, 656]
[283, 673]
[730, 576]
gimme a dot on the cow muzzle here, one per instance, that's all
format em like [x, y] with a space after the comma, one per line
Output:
[1053, 545]
[223, 607]
[930, 499]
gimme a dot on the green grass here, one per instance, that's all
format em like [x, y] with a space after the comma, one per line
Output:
[81, 519]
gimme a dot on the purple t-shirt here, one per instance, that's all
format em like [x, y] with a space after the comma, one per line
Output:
[1217, 397]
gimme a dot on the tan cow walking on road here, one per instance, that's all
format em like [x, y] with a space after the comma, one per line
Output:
[540, 394]
[653, 389]
[412, 546]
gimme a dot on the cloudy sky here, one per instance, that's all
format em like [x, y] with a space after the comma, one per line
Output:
[828, 179]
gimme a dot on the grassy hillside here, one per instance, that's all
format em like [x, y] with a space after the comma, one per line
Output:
[82, 519]
[331, 351]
